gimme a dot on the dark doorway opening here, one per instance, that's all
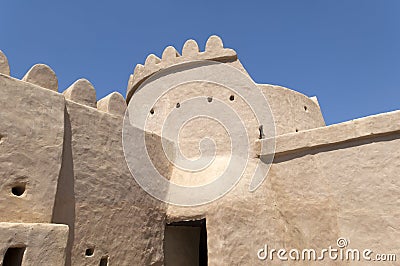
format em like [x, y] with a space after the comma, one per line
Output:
[13, 256]
[185, 243]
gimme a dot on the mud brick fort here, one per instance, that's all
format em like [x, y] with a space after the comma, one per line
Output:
[67, 195]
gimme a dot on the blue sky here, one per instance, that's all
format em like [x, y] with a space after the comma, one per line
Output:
[346, 52]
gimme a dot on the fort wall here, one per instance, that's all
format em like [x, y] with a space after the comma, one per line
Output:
[68, 197]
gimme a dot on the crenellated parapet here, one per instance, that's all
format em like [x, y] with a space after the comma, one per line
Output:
[214, 51]
[296, 113]
[69, 194]
[81, 91]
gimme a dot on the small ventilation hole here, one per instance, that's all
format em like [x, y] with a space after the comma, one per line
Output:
[18, 190]
[209, 99]
[89, 252]
[152, 111]
[261, 132]
[305, 108]
[297, 130]
[231, 98]
[178, 105]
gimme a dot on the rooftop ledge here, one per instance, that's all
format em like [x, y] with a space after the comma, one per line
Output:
[362, 128]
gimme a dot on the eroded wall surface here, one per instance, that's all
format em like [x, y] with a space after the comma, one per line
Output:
[31, 143]
[315, 192]
[113, 215]
[63, 154]
[41, 244]
[68, 157]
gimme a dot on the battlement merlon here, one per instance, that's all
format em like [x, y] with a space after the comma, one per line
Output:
[81, 91]
[214, 51]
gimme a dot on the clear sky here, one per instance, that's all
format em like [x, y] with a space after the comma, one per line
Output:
[346, 52]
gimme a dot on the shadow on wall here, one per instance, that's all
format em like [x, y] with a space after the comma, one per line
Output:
[332, 147]
[64, 206]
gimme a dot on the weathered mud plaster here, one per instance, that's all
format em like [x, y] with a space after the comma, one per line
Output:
[40, 244]
[32, 132]
[62, 165]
